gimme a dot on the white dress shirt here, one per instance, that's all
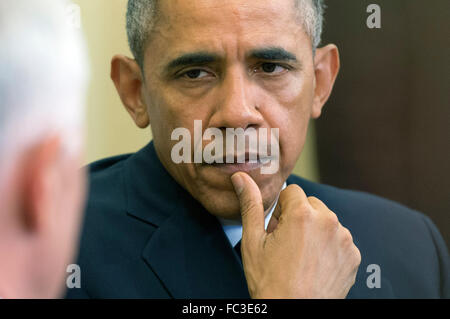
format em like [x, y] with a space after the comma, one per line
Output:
[233, 228]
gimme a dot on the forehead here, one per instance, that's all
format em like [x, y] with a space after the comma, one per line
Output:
[225, 27]
[228, 10]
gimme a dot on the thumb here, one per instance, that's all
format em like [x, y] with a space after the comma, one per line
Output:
[250, 202]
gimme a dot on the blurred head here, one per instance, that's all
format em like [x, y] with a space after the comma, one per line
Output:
[230, 64]
[42, 81]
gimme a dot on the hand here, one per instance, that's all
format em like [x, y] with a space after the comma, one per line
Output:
[306, 252]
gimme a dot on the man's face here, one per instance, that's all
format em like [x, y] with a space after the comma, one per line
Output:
[243, 64]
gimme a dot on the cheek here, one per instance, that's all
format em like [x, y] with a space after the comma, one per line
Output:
[297, 95]
[169, 110]
[290, 100]
[164, 119]
[291, 115]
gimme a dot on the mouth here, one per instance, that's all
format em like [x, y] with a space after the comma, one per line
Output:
[247, 163]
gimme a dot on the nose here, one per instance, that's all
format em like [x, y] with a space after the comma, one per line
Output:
[237, 103]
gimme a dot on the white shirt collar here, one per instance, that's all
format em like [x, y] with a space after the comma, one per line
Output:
[233, 228]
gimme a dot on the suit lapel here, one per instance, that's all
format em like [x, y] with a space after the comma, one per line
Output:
[188, 251]
[193, 258]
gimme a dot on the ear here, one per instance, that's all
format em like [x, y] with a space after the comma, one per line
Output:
[127, 77]
[326, 68]
[40, 185]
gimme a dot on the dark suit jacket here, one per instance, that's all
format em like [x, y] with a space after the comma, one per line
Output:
[144, 236]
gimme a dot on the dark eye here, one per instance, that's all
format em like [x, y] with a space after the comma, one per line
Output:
[195, 74]
[271, 68]
[268, 67]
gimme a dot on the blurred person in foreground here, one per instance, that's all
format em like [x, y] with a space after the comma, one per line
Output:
[42, 82]
[159, 228]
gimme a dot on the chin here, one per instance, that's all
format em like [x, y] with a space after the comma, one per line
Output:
[225, 204]
[222, 204]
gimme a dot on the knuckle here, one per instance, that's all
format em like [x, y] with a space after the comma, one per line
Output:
[347, 238]
[288, 192]
[293, 188]
[295, 204]
[315, 202]
[357, 257]
[303, 208]
[333, 220]
[292, 192]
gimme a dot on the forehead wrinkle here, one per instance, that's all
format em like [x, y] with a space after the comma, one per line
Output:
[236, 21]
[233, 14]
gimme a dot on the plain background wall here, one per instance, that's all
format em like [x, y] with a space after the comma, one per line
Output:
[110, 130]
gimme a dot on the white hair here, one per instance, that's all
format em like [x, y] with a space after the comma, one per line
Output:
[141, 16]
[43, 75]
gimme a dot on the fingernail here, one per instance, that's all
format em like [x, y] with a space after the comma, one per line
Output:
[238, 183]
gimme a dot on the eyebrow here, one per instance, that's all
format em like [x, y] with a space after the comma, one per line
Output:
[272, 53]
[202, 57]
[195, 58]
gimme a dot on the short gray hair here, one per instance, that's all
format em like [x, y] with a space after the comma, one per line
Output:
[141, 16]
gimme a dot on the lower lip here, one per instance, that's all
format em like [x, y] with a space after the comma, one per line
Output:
[238, 167]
